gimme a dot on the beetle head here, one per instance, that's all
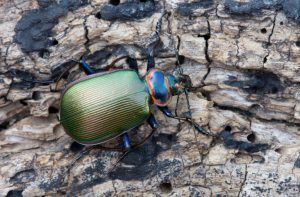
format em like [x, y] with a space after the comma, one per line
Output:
[178, 82]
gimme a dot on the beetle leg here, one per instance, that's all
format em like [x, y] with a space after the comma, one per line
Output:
[132, 64]
[165, 110]
[132, 148]
[126, 141]
[152, 122]
[86, 67]
[200, 129]
[151, 62]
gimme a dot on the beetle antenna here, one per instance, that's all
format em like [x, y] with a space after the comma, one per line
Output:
[187, 119]
[154, 38]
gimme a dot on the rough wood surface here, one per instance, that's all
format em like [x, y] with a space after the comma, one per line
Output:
[244, 60]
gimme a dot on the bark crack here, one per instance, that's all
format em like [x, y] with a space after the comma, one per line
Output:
[237, 42]
[208, 59]
[244, 181]
[86, 36]
[269, 39]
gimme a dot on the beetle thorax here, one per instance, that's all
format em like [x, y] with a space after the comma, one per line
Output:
[159, 87]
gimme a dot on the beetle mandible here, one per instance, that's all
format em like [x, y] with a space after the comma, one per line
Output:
[102, 106]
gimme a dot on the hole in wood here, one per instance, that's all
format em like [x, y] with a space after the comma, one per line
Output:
[143, 1]
[98, 15]
[4, 125]
[274, 90]
[281, 23]
[54, 42]
[181, 59]
[251, 137]
[36, 95]
[228, 128]
[23, 102]
[263, 30]
[165, 187]
[44, 53]
[278, 150]
[53, 110]
[76, 147]
[14, 193]
[114, 2]
[298, 43]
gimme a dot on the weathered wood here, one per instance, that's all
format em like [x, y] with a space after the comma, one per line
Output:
[243, 58]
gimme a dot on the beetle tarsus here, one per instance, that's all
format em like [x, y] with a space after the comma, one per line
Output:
[152, 121]
[165, 110]
[126, 141]
[86, 67]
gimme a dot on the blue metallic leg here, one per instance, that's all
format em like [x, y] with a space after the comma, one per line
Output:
[151, 62]
[126, 141]
[152, 122]
[166, 111]
[86, 67]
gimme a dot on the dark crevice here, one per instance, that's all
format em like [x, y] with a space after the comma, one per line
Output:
[206, 38]
[268, 44]
[53, 110]
[54, 42]
[298, 43]
[114, 2]
[181, 59]
[98, 15]
[86, 35]
[76, 147]
[244, 180]
[278, 150]
[23, 102]
[14, 193]
[297, 162]
[165, 187]
[228, 128]
[36, 95]
[4, 125]
[263, 30]
[251, 137]
[44, 53]
[265, 59]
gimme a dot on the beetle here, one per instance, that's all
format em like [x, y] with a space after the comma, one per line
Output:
[102, 106]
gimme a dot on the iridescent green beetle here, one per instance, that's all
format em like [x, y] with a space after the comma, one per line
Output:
[102, 106]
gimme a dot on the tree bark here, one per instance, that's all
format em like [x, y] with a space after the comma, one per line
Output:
[243, 58]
